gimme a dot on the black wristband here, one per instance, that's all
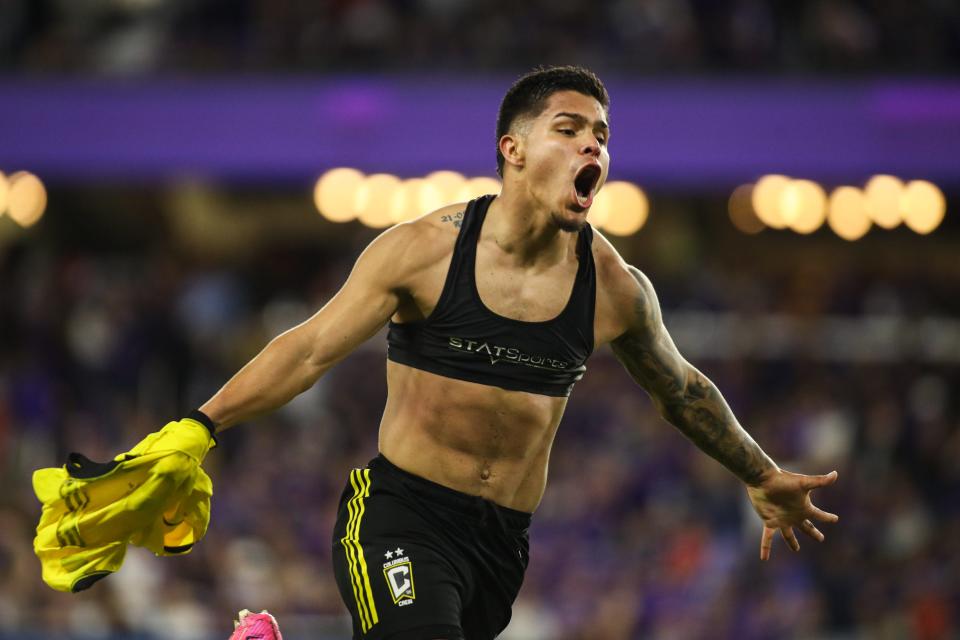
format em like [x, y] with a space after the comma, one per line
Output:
[205, 420]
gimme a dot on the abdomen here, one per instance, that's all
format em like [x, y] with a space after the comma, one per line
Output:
[473, 438]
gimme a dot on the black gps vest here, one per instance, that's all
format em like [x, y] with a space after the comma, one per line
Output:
[463, 339]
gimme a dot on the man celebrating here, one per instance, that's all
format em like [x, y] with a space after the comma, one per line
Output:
[493, 308]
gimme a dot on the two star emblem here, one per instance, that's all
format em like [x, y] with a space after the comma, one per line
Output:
[396, 552]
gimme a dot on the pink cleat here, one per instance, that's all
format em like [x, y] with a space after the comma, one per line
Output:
[255, 626]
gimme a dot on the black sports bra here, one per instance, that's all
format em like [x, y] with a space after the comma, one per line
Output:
[463, 339]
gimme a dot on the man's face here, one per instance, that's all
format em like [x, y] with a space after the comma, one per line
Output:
[565, 157]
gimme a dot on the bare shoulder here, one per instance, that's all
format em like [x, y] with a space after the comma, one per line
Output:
[411, 248]
[625, 296]
[431, 236]
[444, 221]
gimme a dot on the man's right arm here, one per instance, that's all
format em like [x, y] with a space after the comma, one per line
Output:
[293, 361]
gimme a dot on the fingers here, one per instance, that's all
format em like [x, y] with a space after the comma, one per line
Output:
[807, 527]
[790, 537]
[823, 516]
[813, 482]
[766, 541]
[788, 511]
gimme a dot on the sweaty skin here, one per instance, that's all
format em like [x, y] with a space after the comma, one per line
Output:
[487, 441]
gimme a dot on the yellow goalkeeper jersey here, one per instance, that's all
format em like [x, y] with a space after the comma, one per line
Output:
[155, 496]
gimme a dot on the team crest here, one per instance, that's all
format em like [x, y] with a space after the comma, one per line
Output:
[398, 570]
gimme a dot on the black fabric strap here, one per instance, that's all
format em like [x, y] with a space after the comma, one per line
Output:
[81, 467]
[203, 419]
[87, 581]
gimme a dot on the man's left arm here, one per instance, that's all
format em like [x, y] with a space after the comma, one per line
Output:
[692, 403]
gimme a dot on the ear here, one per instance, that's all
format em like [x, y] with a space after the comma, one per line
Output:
[511, 146]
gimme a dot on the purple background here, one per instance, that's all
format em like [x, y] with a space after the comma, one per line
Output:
[693, 134]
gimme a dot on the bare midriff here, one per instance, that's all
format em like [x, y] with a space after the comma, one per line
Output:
[476, 439]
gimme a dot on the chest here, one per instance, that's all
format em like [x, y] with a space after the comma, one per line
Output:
[520, 294]
[528, 294]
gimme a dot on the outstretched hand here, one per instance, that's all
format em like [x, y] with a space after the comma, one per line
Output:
[782, 501]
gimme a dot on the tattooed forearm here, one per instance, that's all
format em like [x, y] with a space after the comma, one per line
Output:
[694, 405]
[684, 396]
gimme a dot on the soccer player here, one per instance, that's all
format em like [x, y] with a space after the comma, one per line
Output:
[493, 308]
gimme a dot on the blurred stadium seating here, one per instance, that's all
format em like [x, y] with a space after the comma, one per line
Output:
[135, 297]
[649, 36]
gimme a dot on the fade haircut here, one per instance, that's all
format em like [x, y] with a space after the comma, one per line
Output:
[528, 96]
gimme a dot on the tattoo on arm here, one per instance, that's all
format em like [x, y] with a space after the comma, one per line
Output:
[456, 219]
[683, 395]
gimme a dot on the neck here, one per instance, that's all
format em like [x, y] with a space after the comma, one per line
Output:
[526, 231]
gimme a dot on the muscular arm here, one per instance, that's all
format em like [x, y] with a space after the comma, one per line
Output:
[293, 361]
[683, 395]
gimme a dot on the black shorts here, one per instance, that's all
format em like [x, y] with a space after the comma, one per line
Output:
[415, 560]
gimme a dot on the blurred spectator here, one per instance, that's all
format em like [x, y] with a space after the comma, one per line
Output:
[639, 534]
[648, 36]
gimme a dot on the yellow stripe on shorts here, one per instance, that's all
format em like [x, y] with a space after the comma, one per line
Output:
[348, 547]
[359, 577]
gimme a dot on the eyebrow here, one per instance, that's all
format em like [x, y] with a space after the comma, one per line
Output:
[581, 119]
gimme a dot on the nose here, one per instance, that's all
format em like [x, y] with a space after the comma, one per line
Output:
[591, 149]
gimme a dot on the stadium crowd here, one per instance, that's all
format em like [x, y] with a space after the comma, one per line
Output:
[648, 36]
[111, 324]
[104, 337]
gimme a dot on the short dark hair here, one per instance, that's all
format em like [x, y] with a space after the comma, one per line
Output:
[529, 94]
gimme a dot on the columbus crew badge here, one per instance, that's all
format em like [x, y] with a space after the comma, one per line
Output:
[398, 570]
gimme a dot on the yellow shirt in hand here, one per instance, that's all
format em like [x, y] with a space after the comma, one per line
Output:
[155, 496]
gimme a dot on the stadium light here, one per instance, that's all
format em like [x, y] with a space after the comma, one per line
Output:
[448, 183]
[803, 205]
[629, 208]
[26, 199]
[740, 209]
[923, 206]
[413, 198]
[883, 194]
[404, 201]
[335, 194]
[476, 187]
[381, 199]
[601, 208]
[847, 214]
[4, 193]
[373, 199]
[766, 199]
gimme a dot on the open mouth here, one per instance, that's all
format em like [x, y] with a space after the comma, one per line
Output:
[585, 183]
